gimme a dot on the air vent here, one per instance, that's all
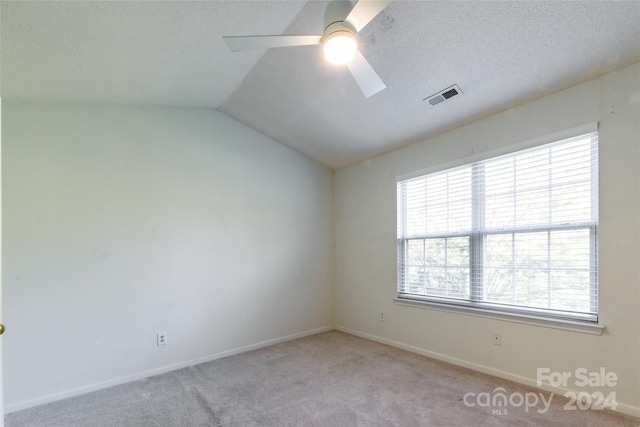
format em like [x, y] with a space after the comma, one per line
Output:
[443, 95]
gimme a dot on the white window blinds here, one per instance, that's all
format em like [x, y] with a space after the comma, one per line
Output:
[512, 233]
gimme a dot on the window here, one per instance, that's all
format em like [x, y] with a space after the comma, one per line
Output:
[511, 234]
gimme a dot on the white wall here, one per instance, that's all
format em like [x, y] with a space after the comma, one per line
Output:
[122, 222]
[365, 237]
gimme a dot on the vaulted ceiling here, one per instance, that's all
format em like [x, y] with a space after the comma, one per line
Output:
[500, 54]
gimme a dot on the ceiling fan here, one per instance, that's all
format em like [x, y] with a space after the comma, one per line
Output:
[341, 24]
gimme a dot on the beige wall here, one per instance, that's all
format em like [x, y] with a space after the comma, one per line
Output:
[123, 222]
[365, 238]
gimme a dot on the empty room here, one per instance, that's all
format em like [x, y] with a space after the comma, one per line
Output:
[320, 213]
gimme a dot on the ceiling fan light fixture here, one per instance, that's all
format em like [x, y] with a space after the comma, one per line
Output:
[340, 47]
[338, 40]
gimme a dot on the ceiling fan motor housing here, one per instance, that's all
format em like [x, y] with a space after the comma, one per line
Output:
[336, 11]
[338, 26]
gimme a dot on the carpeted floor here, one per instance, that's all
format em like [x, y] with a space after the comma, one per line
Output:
[330, 379]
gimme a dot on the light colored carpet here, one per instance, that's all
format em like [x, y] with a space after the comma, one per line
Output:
[330, 379]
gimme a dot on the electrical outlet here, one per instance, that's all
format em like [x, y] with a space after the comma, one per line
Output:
[382, 316]
[162, 338]
[496, 339]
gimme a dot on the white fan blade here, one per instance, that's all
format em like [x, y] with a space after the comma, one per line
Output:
[364, 11]
[369, 81]
[237, 43]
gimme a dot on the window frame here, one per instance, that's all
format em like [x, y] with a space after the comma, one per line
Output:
[575, 321]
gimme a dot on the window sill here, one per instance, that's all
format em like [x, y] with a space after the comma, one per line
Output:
[528, 319]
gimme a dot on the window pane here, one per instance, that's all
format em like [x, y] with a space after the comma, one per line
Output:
[498, 285]
[458, 283]
[448, 201]
[498, 177]
[437, 219]
[571, 162]
[532, 170]
[571, 290]
[531, 250]
[415, 252]
[458, 252]
[499, 212]
[416, 221]
[532, 207]
[498, 250]
[415, 280]
[571, 204]
[571, 249]
[435, 252]
[459, 216]
[438, 267]
[532, 288]
[436, 281]
[415, 208]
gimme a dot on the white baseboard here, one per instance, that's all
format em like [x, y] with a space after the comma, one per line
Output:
[627, 409]
[157, 371]
[624, 408]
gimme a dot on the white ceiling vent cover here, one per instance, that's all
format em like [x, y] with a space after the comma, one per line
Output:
[443, 95]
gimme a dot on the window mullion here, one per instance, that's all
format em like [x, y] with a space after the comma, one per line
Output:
[549, 269]
[550, 213]
[513, 266]
[425, 282]
[476, 256]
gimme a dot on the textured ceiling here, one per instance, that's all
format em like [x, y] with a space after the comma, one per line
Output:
[172, 54]
[130, 52]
